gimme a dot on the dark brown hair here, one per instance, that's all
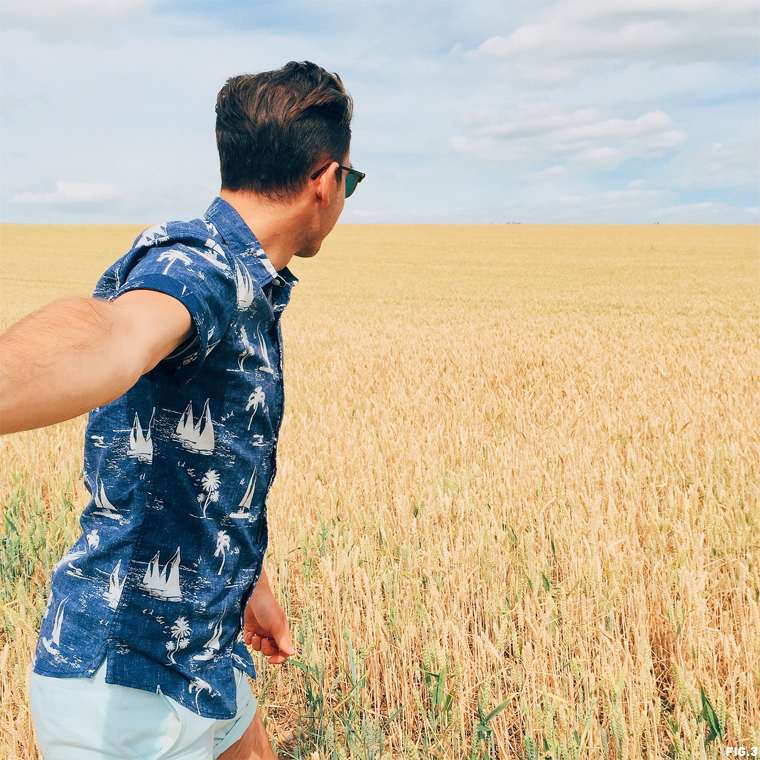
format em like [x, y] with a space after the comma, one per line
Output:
[273, 128]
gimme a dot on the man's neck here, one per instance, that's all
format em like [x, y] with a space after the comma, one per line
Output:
[278, 226]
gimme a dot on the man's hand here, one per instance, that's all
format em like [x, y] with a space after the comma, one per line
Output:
[266, 625]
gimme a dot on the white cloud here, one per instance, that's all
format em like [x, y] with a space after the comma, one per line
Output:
[71, 19]
[719, 165]
[635, 204]
[549, 173]
[50, 11]
[585, 138]
[614, 203]
[656, 30]
[72, 193]
[709, 212]
[543, 76]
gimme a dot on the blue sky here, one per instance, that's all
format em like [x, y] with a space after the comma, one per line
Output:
[577, 111]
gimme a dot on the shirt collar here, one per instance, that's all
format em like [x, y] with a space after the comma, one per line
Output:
[239, 237]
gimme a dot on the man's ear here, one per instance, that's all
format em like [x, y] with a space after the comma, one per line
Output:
[327, 184]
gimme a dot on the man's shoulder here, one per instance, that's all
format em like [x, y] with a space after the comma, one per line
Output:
[200, 232]
[196, 242]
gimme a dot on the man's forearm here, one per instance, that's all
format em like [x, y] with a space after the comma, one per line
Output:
[262, 586]
[62, 361]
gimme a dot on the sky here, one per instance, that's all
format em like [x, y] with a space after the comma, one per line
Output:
[532, 111]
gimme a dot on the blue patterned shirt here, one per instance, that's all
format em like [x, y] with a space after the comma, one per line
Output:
[179, 469]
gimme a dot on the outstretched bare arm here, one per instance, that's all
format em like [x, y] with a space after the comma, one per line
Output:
[79, 353]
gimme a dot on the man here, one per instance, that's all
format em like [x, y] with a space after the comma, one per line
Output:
[178, 358]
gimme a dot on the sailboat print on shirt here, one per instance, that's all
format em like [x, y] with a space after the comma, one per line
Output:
[115, 587]
[211, 647]
[70, 557]
[196, 436]
[211, 253]
[104, 507]
[249, 350]
[52, 643]
[245, 503]
[163, 584]
[152, 236]
[141, 444]
[244, 285]
[265, 355]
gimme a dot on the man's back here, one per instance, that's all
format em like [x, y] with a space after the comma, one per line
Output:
[179, 469]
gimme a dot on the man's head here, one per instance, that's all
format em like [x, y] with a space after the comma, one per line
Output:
[274, 129]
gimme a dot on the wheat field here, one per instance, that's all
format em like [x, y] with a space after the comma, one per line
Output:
[516, 510]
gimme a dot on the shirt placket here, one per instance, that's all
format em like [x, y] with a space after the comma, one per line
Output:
[281, 405]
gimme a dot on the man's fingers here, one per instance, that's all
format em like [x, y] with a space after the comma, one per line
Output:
[263, 644]
[255, 641]
[277, 652]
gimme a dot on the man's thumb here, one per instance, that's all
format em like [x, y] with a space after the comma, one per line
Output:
[284, 642]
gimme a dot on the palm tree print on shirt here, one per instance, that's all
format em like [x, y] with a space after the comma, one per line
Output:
[222, 544]
[198, 685]
[210, 493]
[180, 632]
[254, 400]
[172, 256]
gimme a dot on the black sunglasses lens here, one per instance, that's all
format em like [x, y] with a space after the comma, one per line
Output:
[351, 182]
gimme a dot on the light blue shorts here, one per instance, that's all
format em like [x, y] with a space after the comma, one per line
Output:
[89, 719]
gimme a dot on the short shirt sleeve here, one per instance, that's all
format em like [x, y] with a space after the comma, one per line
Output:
[203, 281]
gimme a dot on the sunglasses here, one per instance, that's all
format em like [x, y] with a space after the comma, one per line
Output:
[353, 177]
